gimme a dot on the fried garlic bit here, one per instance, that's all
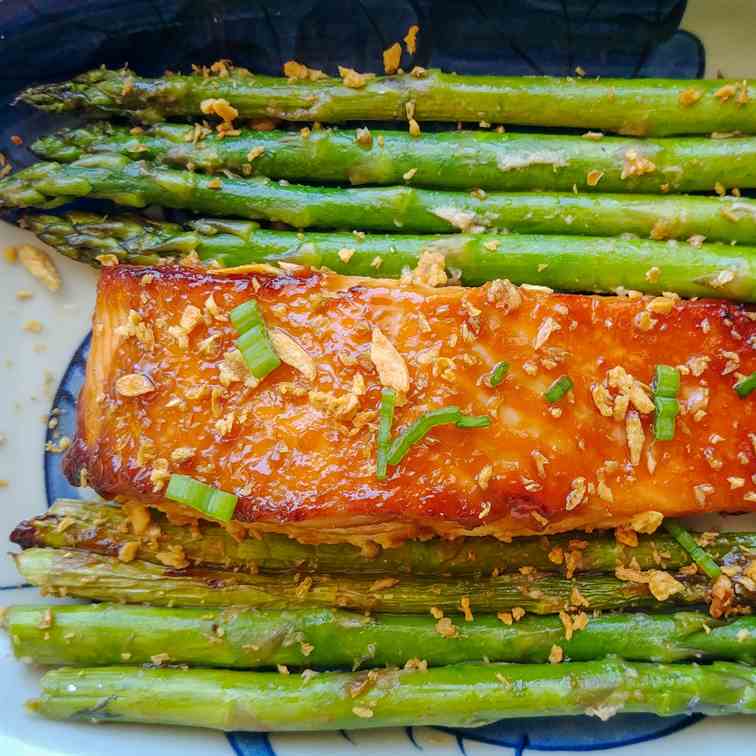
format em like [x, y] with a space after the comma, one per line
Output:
[38, 263]
[134, 384]
[391, 367]
[293, 71]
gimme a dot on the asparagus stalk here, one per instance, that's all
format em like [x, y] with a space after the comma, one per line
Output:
[561, 262]
[138, 184]
[104, 529]
[461, 695]
[89, 575]
[637, 107]
[448, 160]
[103, 634]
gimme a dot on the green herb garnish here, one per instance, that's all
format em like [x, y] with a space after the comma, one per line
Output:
[699, 555]
[254, 342]
[419, 429]
[558, 389]
[383, 436]
[666, 385]
[194, 493]
[746, 385]
[498, 373]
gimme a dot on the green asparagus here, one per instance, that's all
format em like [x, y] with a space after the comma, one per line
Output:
[103, 634]
[90, 575]
[637, 107]
[104, 529]
[138, 184]
[567, 263]
[447, 160]
[462, 695]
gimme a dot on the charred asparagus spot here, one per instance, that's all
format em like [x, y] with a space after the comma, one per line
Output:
[104, 529]
[636, 107]
[103, 634]
[462, 695]
[569, 263]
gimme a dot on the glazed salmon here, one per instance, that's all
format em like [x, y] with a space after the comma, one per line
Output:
[165, 393]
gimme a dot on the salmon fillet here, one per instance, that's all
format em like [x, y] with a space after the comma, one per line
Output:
[299, 448]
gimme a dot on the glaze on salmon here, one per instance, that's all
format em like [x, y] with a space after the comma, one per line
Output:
[164, 393]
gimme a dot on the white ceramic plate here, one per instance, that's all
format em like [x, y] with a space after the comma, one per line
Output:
[31, 366]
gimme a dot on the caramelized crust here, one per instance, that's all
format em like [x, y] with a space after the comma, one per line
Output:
[300, 451]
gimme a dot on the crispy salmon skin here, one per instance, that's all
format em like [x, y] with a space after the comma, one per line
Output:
[165, 393]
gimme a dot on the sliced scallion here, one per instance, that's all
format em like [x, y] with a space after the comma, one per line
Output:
[212, 502]
[254, 342]
[666, 385]
[558, 389]
[698, 554]
[498, 373]
[473, 421]
[419, 429]
[246, 315]
[666, 381]
[383, 436]
[746, 385]
[667, 410]
[260, 357]
[664, 428]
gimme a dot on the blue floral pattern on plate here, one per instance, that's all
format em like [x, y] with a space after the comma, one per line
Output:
[606, 38]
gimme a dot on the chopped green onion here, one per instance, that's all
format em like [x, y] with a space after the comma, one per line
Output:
[664, 423]
[666, 407]
[666, 385]
[250, 337]
[261, 361]
[254, 342]
[260, 356]
[383, 436]
[246, 315]
[419, 429]
[194, 493]
[664, 428]
[558, 389]
[498, 373]
[666, 381]
[473, 421]
[697, 553]
[746, 385]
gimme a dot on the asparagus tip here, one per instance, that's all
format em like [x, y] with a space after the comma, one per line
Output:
[24, 534]
[44, 96]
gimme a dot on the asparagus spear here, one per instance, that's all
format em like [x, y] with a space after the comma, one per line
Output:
[448, 160]
[89, 575]
[461, 695]
[139, 240]
[137, 184]
[561, 262]
[638, 107]
[104, 529]
[103, 634]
